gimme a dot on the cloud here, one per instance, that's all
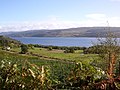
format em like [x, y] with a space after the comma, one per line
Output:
[96, 16]
[101, 20]
[52, 22]
[90, 20]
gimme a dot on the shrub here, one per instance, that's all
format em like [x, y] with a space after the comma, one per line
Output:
[71, 50]
[24, 49]
[14, 76]
[49, 48]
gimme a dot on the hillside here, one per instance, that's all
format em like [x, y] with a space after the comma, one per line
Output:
[72, 32]
[6, 41]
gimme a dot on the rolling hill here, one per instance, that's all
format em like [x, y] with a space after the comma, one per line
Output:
[72, 32]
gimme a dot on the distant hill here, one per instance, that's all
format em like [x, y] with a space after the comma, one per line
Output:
[72, 32]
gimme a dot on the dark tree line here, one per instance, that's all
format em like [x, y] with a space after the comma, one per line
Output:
[59, 47]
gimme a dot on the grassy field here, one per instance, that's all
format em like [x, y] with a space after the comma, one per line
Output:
[60, 55]
[56, 58]
[60, 65]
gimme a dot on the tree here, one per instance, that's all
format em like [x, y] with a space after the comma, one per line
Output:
[110, 52]
[69, 50]
[50, 48]
[24, 48]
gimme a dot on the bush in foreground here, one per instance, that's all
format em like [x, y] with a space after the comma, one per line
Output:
[27, 76]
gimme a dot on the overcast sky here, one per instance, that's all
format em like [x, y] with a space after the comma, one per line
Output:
[18, 15]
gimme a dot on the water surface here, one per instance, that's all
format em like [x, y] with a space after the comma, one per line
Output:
[58, 41]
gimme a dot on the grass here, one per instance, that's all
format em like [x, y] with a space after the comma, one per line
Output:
[60, 55]
[60, 65]
[58, 68]
[77, 56]
[43, 56]
[15, 56]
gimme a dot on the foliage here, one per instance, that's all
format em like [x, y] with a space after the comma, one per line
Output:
[71, 50]
[28, 76]
[60, 55]
[24, 48]
[110, 54]
[97, 49]
[111, 51]
[57, 74]
[6, 41]
[57, 71]
[59, 47]
[54, 69]
[82, 77]
[30, 46]
[49, 48]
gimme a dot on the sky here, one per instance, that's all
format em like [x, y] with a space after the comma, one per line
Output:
[16, 15]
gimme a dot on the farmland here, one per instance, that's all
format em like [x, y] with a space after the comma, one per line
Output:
[53, 67]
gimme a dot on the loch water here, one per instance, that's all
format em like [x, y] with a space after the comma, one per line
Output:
[58, 41]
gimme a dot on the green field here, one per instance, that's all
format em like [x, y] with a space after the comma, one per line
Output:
[59, 55]
[38, 67]
[63, 69]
